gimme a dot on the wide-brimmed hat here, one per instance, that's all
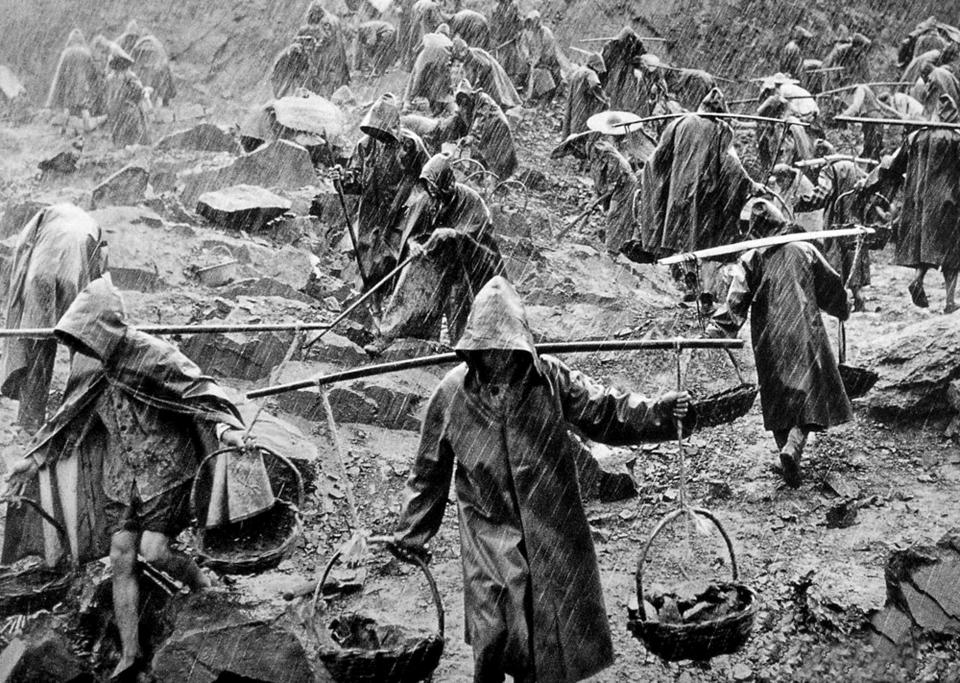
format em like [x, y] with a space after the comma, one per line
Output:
[612, 122]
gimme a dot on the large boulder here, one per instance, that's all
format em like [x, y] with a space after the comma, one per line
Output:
[126, 187]
[915, 365]
[281, 164]
[237, 355]
[242, 207]
[45, 657]
[204, 137]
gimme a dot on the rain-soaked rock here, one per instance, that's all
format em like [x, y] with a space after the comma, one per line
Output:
[126, 187]
[213, 639]
[283, 437]
[204, 137]
[534, 179]
[242, 207]
[281, 164]
[237, 355]
[321, 286]
[265, 286]
[188, 111]
[916, 365]
[393, 401]
[922, 583]
[840, 594]
[326, 204]
[335, 348]
[44, 657]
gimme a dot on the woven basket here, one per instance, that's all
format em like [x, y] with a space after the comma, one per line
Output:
[283, 513]
[725, 406]
[857, 381]
[700, 641]
[37, 587]
[415, 661]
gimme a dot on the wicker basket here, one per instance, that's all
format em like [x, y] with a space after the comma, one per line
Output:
[725, 407]
[857, 381]
[415, 661]
[700, 641]
[284, 514]
[37, 587]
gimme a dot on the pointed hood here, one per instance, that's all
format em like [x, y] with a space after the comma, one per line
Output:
[94, 324]
[437, 174]
[382, 122]
[76, 39]
[498, 321]
[714, 102]
[316, 13]
[947, 109]
[595, 62]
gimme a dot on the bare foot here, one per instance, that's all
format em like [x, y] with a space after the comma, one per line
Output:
[126, 669]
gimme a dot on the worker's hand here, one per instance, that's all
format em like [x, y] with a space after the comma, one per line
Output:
[713, 332]
[337, 174]
[759, 189]
[679, 401]
[233, 438]
[407, 551]
[467, 141]
[438, 238]
[20, 473]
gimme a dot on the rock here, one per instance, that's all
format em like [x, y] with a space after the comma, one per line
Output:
[126, 187]
[335, 348]
[391, 401]
[45, 658]
[321, 286]
[281, 164]
[283, 437]
[839, 594]
[916, 365]
[189, 111]
[343, 96]
[16, 215]
[216, 640]
[534, 180]
[242, 207]
[265, 286]
[742, 672]
[204, 137]
[326, 206]
[237, 355]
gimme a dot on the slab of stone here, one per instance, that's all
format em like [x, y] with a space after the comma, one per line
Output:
[126, 187]
[242, 207]
[237, 355]
[204, 137]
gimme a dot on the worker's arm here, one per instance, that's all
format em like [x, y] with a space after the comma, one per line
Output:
[727, 321]
[616, 417]
[429, 483]
[828, 285]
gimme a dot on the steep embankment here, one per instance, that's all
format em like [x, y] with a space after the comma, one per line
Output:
[224, 50]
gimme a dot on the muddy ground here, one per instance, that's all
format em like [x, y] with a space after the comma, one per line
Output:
[817, 585]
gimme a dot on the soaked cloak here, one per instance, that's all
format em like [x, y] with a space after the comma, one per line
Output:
[125, 117]
[59, 251]
[586, 98]
[926, 167]
[472, 27]
[621, 56]
[291, 69]
[376, 46]
[493, 140]
[613, 174]
[784, 288]
[532, 593]
[74, 83]
[505, 28]
[430, 77]
[152, 67]
[693, 188]
[148, 372]
[485, 73]
[689, 86]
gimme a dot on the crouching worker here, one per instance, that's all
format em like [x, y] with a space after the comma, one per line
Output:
[532, 590]
[785, 287]
[117, 460]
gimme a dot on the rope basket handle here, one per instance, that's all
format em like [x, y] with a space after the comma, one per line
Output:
[410, 558]
[49, 519]
[523, 189]
[263, 449]
[660, 527]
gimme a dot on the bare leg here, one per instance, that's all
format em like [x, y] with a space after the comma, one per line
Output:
[126, 596]
[155, 548]
[950, 284]
[858, 304]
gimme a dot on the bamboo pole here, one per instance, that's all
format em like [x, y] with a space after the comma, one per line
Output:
[712, 115]
[652, 39]
[552, 347]
[898, 122]
[854, 86]
[803, 163]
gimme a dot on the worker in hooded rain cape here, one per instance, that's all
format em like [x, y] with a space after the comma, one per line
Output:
[59, 251]
[291, 68]
[126, 101]
[541, 54]
[586, 96]
[485, 73]
[925, 167]
[776, 145]
[693, 189]
[449, 224]
[375, 47]
[431, 77]
[784, 288]
[489, 136]
[837, 193]
[614, 177]
[938, 81]
[152, 66]
[688, 87]
[505, 29]
[472, 26]
[498, 425]
[621, 56]
[74, 87]
[329, 66]
[383, 170]
[118, 458]
[792, 54]
[131, 34]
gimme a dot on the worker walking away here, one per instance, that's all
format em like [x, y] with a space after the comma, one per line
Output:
[75, 82]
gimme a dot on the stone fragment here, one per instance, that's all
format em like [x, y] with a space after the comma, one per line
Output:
[242, 207]
[237, 355]
[189, 111]
[126, 187]
[265, 286]
[204, 137]
[335, 348]
[43, 658]
[281, 164]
